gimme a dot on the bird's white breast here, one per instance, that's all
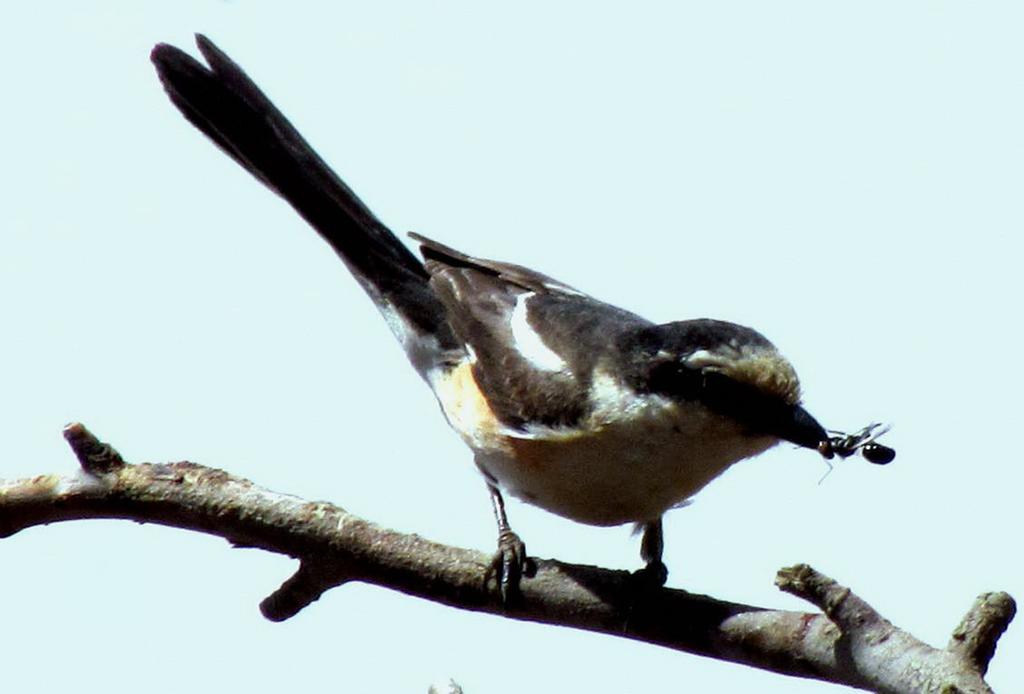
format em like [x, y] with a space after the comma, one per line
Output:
[635, 457]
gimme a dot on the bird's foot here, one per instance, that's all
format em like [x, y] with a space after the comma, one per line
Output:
[652, 576]
[510, 564]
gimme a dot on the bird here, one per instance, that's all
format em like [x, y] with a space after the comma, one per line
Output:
[571, 404]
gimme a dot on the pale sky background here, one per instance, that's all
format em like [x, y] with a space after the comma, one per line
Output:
[846, 178]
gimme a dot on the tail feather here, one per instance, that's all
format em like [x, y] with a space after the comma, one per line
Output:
[222, 102]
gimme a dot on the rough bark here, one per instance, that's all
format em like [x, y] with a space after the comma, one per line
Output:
[847, 643]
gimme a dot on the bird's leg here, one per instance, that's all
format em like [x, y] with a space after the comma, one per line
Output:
[655, 573]
[510, 561]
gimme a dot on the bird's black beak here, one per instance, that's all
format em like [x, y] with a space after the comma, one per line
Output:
[803, 430]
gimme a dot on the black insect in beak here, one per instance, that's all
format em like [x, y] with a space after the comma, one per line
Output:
[863, 442]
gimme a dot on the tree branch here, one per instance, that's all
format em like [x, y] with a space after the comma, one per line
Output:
[976, 636]
[849, 644]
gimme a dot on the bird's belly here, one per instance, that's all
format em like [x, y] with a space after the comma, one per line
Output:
[623, 472]
[631, 462]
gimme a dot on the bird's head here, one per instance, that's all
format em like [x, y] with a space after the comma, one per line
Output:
[732, 370]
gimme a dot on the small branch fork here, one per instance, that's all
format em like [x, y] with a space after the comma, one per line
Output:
[848, 643]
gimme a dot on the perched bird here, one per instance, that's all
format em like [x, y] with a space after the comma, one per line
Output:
[571, 404]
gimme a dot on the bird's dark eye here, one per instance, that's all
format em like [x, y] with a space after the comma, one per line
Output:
[673, 378]
[757, 411]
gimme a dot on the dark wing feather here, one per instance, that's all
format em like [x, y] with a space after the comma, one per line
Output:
[481, 298]
[524, 277]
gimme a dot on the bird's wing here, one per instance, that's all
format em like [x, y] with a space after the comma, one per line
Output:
[534, 341]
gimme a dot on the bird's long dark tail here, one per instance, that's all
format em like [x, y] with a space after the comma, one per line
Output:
[231, 110]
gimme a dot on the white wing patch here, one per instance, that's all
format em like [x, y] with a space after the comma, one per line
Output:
[528, 343]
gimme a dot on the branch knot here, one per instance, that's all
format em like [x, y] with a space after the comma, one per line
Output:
[95, 457]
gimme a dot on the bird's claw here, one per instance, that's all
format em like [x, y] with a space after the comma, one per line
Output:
[510, 564]
[652, 576]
